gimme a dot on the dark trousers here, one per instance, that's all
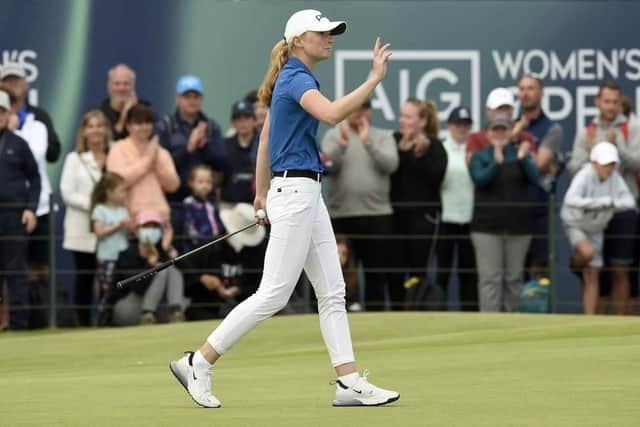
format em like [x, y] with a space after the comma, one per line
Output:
[372, 252]
[13, 266]
[415, 232]
[451, 239]
[619, 249]
[108, 293]
[177, 222]
[85, 272]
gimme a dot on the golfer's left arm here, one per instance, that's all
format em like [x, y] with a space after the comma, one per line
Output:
[263, 165]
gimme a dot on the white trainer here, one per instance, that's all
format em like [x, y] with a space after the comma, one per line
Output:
[363, 393]
[180, 369]
[197, 382]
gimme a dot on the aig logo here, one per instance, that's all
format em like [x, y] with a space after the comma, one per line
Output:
[449, 77]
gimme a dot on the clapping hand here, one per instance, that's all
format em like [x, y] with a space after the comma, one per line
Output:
[610, 136]
[421, 144]
[343, 128]
[591, 138]
[363, 129]
[498, 155]
[197, 139]
[518, 127]
[523, 149]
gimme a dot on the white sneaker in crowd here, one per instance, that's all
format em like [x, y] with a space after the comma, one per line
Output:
[363, 393]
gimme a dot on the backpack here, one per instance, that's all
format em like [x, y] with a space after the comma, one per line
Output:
[423, 295]
[624, 128]
[534, 296]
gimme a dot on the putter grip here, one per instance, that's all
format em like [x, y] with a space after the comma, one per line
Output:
[145, 274]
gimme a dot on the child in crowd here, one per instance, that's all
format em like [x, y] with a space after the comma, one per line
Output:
[596, 192]
[110, 222]
[202, 223]
[153, 246]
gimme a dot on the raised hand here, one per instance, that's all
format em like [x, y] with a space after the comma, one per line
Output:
[381, 56]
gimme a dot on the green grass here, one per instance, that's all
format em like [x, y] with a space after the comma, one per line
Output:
[451, 370]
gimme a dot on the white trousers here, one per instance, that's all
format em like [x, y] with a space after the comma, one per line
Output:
[301, 237]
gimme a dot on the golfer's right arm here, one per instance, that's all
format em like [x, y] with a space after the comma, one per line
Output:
[333, 112]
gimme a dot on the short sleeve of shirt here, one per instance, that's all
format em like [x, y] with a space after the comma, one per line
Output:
[299, 84]
[474, 143]
[553, 139]
[99, 213]
[123, 213]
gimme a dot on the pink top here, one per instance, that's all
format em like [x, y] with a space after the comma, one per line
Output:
[148, 175]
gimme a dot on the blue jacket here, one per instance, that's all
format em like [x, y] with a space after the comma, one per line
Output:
[174, 135]
[18, 173]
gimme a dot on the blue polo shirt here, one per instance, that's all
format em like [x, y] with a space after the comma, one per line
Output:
[292, 131]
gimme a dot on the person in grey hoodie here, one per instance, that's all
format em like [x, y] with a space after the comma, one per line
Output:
[596, 192]
[619, 240]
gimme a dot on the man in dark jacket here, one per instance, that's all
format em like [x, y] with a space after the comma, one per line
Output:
[121, 86]
[19, 195]
[192, 138]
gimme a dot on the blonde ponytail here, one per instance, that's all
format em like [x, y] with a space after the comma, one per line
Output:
[428, 111]
[433, 123]
[279, 56]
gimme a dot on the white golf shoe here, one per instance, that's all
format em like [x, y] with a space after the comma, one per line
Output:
[363, 393]
[197, 382]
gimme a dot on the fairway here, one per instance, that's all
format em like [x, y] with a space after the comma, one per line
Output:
[451, 369]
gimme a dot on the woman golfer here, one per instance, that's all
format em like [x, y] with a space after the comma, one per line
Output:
[288, 187]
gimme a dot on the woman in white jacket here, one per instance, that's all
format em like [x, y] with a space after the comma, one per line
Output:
[81, 171]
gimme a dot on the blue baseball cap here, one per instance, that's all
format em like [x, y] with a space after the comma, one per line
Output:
[189, 83]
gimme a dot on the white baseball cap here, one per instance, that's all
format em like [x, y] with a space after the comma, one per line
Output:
[4, 100]
[237, 217]
[499, 97]
[604, 153]
[12, 69]
[311, 20]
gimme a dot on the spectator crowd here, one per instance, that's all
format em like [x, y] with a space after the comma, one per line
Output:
[413, 207]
